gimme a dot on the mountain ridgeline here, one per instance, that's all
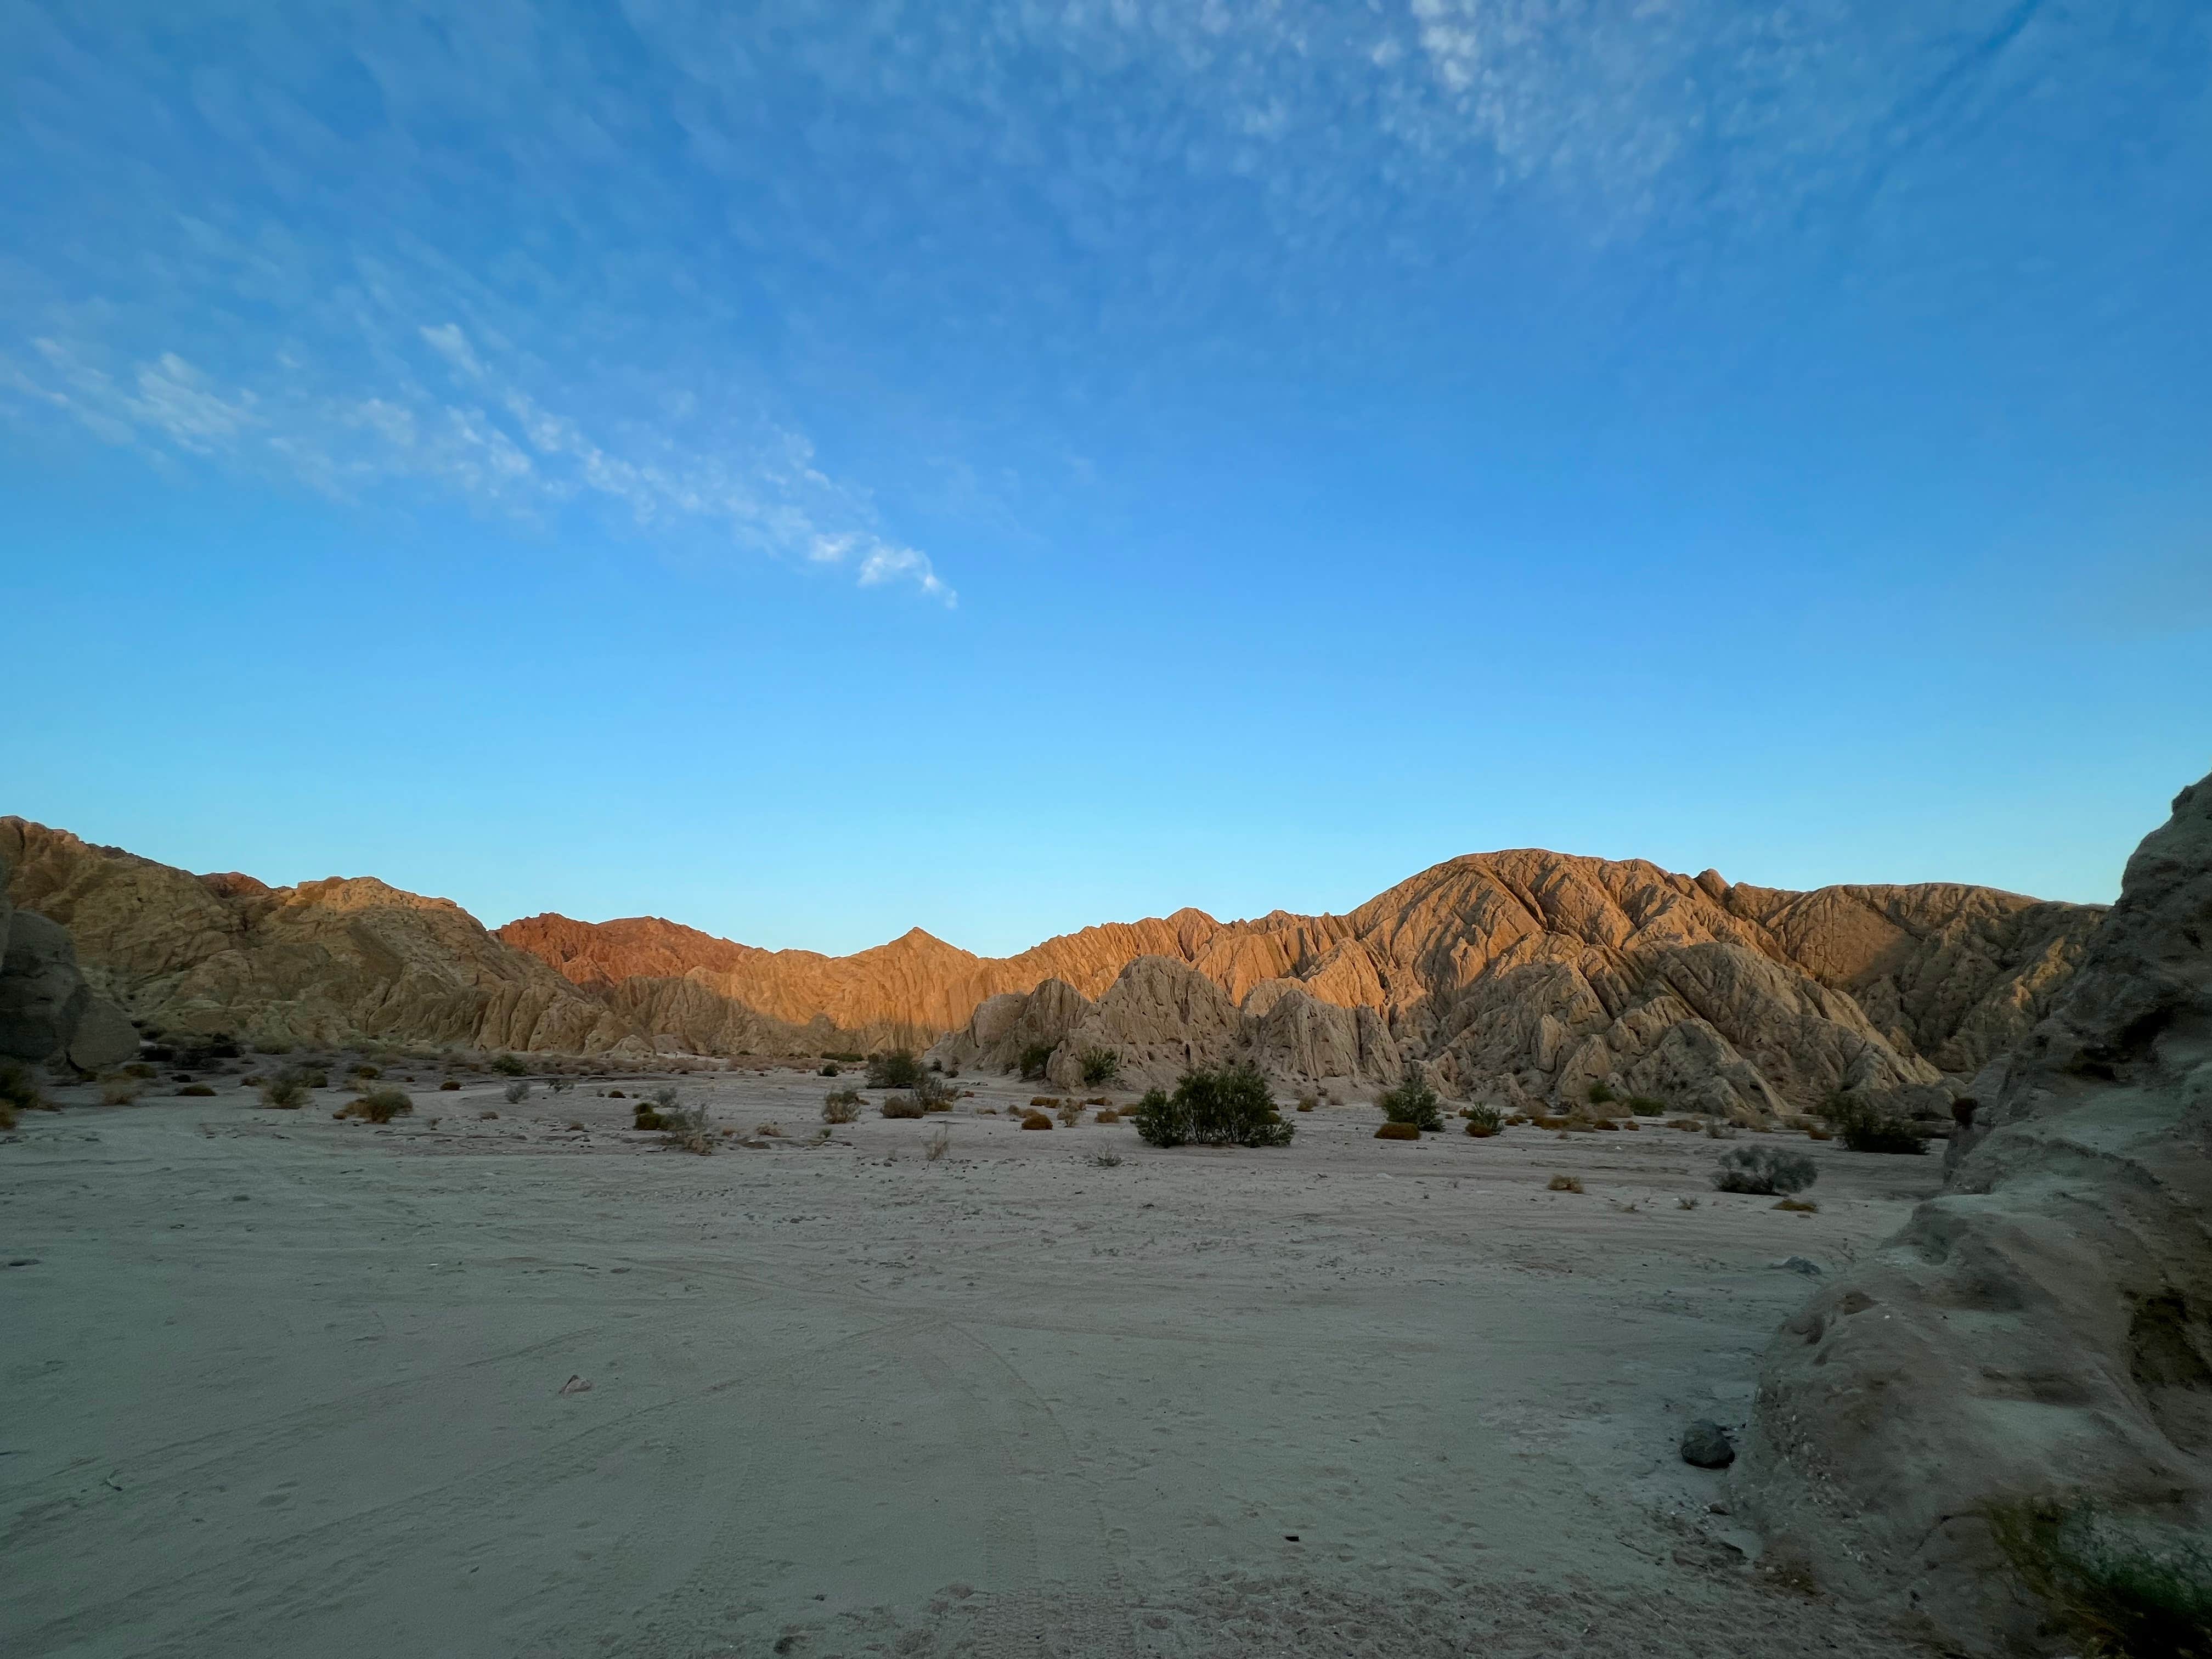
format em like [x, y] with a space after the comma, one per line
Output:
[1523, 976]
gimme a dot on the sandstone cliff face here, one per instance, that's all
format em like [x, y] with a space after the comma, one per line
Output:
[2043, 1329]
[48, 1010]
[326, 961]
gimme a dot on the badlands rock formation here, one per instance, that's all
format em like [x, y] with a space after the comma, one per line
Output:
[2043, 1329]
[326, 961]
[47, 1010]
[1526, 976]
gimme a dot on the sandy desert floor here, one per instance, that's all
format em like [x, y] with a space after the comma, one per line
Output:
[277, 1385]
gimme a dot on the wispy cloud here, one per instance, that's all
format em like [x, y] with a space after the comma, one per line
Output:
[734, 271]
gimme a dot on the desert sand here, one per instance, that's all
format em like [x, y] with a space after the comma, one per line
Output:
[279, 1384]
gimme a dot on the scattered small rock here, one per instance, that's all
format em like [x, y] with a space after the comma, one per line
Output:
[1707, 1445]
[578, 1385]
[1798, 1264]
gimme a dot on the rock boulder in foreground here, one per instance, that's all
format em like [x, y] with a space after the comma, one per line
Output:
[2041, 1332]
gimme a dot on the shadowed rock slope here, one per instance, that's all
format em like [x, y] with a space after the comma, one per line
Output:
[326, 961]
[2042, 1330]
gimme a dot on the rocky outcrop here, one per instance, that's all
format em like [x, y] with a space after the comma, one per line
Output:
[326, 961]
[1527, 976]
[2043, 1329]
[47, 1010]
[1520, 976]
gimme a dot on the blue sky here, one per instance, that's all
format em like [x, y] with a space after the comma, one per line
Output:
[812, 470]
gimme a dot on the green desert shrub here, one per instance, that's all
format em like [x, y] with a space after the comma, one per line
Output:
[841, 1106]
[1863, 1126]
[1768, 1170]
[2126, 1596]
[285, 1092]
[1600, 1094]
[509, 1065]
[1647, 1106]
[1412, 1102]
[832, 1069]
[1483, 1122]
[1035, 1059]
[1100, 1066]
[895, 1068]
[1219, 1106]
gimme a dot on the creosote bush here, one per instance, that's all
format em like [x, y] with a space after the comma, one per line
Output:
[1483, 1122]
[380, 1105]
[895, 1068]
[285, 1092]
[1100, 1066]
[1308, 1103]
[509, 1065]
[1412, 1102]
[934, 1093]
[902, 1106]
[831, 1069]
[1767, 1170]
[1035, 1059]
[1600, 1094]
[1224, 1106]
[1865, 1127]
[841, 1106]
[1645, 1106]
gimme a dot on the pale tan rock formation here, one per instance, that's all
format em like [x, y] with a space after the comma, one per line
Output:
[1527, 976]
[2043, 1329]
[1523, 976]
[326, 961]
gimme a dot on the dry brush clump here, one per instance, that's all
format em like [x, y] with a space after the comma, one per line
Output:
[377, 1106]
[939, 1141]
[1070, 1114]
[688, 1129]
[902, 1106]
[1866, 1126]
[1565, 1183]
[841, 1106]
[1036, 1119]
[285, 1092]
[1099, 1065]
[1766, 1171]
[1391, 1130]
